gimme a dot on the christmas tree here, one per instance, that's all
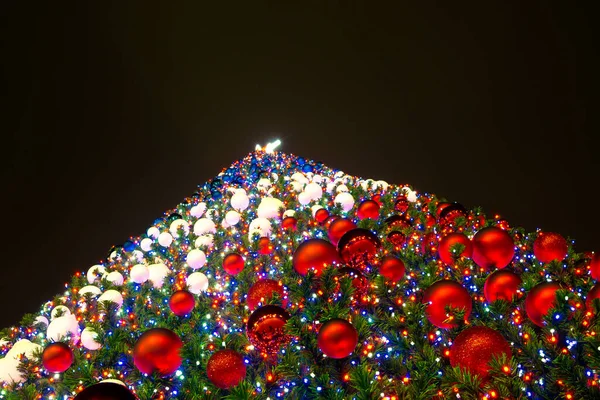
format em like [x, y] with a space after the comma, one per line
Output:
[284, 278]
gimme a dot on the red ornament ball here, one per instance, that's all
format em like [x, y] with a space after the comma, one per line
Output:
[106, 391]
[233, 263]
[337, 338]
[595, 266]
[289, 223]
[493, 248]
[226, 369]
[392, 268]
[594, 293]
[314, 254]
[540, 300]
[475, 347]
[396, 238]
[262, 291]
[368, 209]
[501, 285]
[158, 350]
[448, 242]
[57, 357]
[450, 213]
[550, 246]
[321, 215]
[401, 204]
[440, 208]
[182, 303]
[358, 247]
[441, 295]
[266, 328]
[338, 228]
[265, 247]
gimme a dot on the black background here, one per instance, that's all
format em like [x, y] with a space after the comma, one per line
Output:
[111, 114]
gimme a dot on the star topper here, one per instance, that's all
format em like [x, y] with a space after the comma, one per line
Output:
[270, 147]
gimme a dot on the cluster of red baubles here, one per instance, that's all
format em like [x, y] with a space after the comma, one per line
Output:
[355, 250]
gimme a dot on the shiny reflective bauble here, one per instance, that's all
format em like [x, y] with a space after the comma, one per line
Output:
[337, 338]
[314, 254]
[266, 328]
[444, 294]
[359, 247]
[158, 350]
[540, 300]
[57, 357]
[493, 248]
[501, 285]
[106, 391]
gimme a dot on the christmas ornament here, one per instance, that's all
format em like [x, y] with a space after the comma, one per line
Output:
[289, 223]
[550, 246]
[270, 208]
[398, 222]
[401, 204]
[540, 300]
[314, 254]
[260, 227]
[182, 303]
[266, 328]
[441, 295]
[501, 285]
[262, 291]
[158, 350]
[358, 247]
[9, 364]
[139, 273]
[265, 247]
[233, 263]
[106, 391]
[88, 339]
[396, 238]
[475, 347]
[440, 208]
[321, 215]
[338, 228]
[452, 241]
[157, 274]
[111, 296]
[197, 282]
[368, 209]
[57, 357]
[493, 248]
[450, 213]
[392, 268]
[337, 338]
[345, 200]
[226, 369]
[594, 293]
[196, 258]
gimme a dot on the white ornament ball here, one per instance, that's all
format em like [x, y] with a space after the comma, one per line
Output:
[146, 244]
[9, 365]
[88, 339]
[137, 255]
[90, 289]
[270, 207]
[139, 273]
[157, 274]
[179, 224]
[115, 278]
[197, 282]
[382, 185]
[205, 241]
[330, 187]
[198, 210]
[304, 198]
[341, 188]
[345, 200]
[95, 272]
[153, 232]
[112, 296]
[264, 184]
[261, 226]
[412, 196]
[314, 190]
[196, 259]
[289, 213]
[61, 327]
[232, 217]
[165, 239]
[300, 177]
[240, 201]
[297, 186]
[204, 226]
[40, 319]
[317, 179]
[62, 310]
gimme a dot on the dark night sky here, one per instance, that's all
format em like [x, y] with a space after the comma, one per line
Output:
[111, 115]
